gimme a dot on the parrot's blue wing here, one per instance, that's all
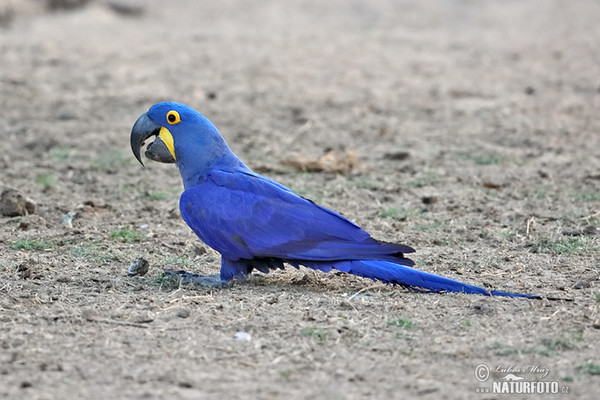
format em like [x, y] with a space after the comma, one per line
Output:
[245, 215]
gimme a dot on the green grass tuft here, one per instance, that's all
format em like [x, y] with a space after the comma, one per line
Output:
[318, 333]
[428, 179]
[285, 374]
[157, 196]
[47, 180]
[395, 213]
[112, 160]
[586, 197]
[365, 183]
[426, 227]
[32, 245]
[547, 347]
[486, 159]
[164, 280]
[92, 253]
[183, 260]
[126, 235]
[567, 245]
[590, 368]
[502, 350]
[404, 323]
[60, 153]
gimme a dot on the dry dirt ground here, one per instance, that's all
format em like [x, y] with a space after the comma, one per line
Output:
[476, 126]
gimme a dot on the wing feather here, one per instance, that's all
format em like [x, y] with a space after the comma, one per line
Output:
[243, 215]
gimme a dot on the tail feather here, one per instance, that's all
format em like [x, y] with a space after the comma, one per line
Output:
[398, 274]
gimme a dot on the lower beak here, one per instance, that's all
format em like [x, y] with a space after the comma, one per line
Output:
[143, 129]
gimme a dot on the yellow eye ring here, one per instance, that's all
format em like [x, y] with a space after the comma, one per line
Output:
[173, 117]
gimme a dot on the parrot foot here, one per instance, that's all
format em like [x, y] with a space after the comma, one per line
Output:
[210, 281]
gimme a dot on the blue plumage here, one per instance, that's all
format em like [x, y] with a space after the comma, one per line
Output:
[257, 223]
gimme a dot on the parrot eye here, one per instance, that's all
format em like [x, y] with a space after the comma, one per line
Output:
[173, 117]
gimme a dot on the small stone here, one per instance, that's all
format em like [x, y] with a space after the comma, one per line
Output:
[13, 203]
[138, 267]
[24, 271]
[7, 13]
[543, 174]
[581, 285]
[242, 336]
[127, 7]
[429, 199]
[397, 155]
[143, 319]
[65, 4]
[199, 250]
[491, 185]
[483, 309]
[183, 313]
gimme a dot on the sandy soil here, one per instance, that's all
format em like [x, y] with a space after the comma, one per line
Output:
[476, 124]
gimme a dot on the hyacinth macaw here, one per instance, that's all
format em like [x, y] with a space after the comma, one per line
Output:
[257, 223]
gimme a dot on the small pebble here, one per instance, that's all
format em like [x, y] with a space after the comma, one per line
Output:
[429, 199]
[581, 285]
[24, 271]
[127, 7]
[243, 336]
[397, 156]
[483, 309]
[139, 267]
[67, 219]
[65, 4]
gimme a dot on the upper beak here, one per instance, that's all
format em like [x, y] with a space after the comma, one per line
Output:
[144, 128]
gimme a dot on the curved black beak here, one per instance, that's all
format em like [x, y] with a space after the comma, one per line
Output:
[157, 150]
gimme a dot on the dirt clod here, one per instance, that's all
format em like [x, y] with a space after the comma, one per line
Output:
[13, 203]
[24, 271]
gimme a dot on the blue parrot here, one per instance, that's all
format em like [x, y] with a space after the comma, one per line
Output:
[257, 223]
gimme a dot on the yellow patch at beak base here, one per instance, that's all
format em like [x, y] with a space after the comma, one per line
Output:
[167, 138]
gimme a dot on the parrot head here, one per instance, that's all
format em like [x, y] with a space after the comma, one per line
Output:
[182, 136]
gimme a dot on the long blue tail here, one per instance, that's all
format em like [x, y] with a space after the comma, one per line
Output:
[389, 272]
